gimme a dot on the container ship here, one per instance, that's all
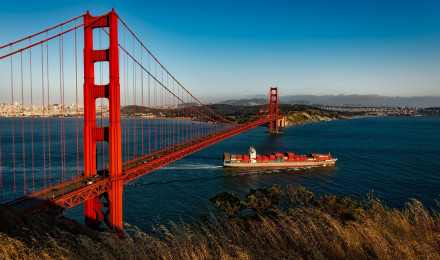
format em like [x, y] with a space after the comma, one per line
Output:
[274, 160]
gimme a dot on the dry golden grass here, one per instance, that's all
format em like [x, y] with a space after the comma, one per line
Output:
[320, 231]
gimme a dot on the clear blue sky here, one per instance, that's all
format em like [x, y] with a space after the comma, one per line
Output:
[225, 49]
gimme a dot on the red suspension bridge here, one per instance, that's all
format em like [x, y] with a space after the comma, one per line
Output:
[130, 124]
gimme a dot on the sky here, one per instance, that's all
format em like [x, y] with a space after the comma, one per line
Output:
[237, 49]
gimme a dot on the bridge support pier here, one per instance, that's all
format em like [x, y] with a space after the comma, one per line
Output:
[111, 134]
[115, 206]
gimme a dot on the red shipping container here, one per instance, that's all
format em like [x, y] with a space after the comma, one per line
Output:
[272, 156]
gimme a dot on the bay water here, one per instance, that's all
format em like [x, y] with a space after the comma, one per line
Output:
[394, 158]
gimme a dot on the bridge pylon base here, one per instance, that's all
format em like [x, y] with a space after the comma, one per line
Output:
[115, 207]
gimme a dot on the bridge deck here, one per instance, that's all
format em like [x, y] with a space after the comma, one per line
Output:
[76, 191]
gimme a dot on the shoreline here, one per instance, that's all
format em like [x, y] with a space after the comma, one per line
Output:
[189, 119]
[331, 119]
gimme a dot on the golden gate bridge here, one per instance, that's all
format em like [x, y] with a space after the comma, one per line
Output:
[130, 124]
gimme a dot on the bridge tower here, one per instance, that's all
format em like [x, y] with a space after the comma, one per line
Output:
[92, 134]
[273, 109]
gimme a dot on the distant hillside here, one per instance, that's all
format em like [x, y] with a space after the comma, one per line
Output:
[363, 100]
[244, 102]
[296, 114]
[312, 115]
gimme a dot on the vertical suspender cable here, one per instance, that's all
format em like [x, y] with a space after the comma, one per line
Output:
[127, 96]
[178, 114]
[167, 133]
[171, 120]
[134, 105]
[44, 134]
[168, 121]
[149, 110]
[76, 105]
[32, 118]
[174, 121]
[125, 105]
[155, 106]
[61, 102]
[22, 125]
[62, 110]
[142, 108]
[13, 130]
[48, 111]
[162, 111]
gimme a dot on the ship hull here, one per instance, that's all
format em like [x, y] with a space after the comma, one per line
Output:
[330, 162]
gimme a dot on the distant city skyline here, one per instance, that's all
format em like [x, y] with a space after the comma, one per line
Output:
[232, 50]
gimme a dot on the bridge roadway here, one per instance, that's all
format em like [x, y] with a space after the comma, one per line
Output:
[55, 199]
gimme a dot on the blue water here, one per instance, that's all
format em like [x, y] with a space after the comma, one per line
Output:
[397, 158]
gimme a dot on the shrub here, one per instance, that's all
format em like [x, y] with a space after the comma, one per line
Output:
[262, 200]
[227, 203]
[341, 207]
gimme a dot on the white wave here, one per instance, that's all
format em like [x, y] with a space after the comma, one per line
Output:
[191, 167]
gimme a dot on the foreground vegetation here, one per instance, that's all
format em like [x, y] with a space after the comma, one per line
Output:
[267, 224]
